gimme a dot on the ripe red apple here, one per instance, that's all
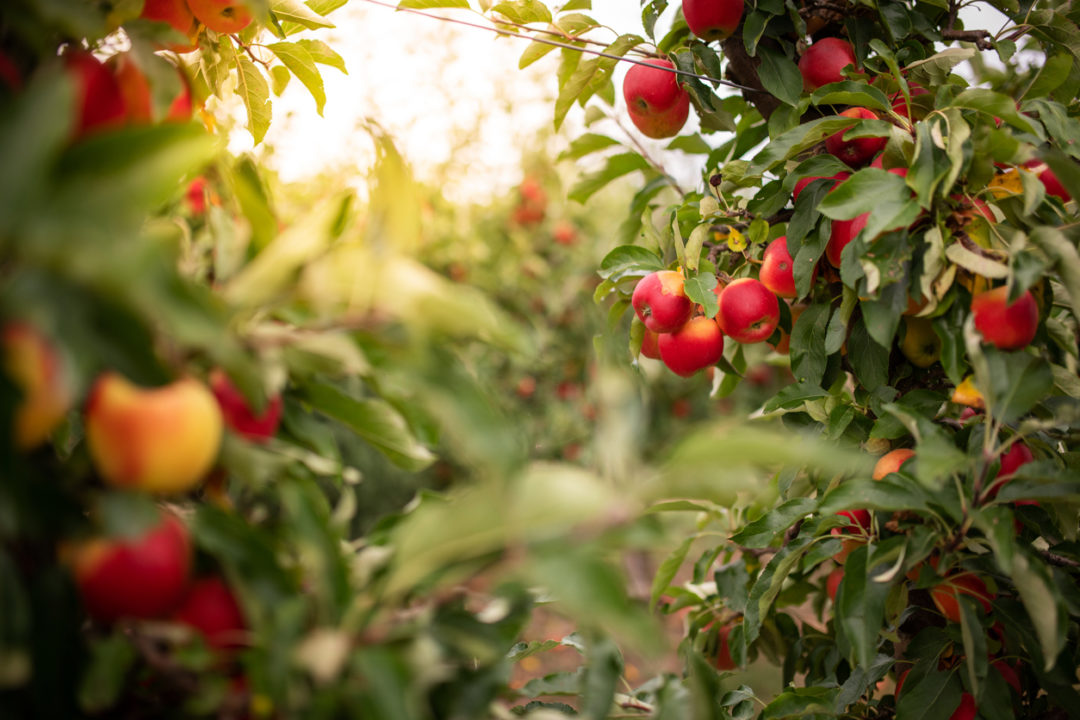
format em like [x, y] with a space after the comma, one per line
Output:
[891, 461]
[564, 233]
[177, 14]
[695, 346]
[778, 269]
[135, 88]
[142, 577]
[657, 104]
[857, 151]
[966, 709]
[749, 311]
[211, 608]
[660, 301]
[1008, 674]
[859, 525]
[712, 19]
[832, 582]
[239, 416]
[223, 16]
[1010, 461]
[802, 183]
[1049, 179]
[9, 73]
[32, 362]
[724, 661]
[823, 62]
[98, 97]
[900, 106]
[946, 594]
[1006, 327]
[649, 346]
[841, 234]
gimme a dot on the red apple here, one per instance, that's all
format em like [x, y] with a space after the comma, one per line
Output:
[142, 577]
[724, 661]
[1006, 327]
[177, 14]
[649, 346]
[211, 608]
[891, 461]
[778, 269]
[9, 73]
[966, 709]
[223, 16]
[900, 106]
[658, 106]
[695, 346]
[712, 19]
[564, 233]
[1049, 179]
[946, 594]
[749, 311]
[1008, 674]
[858, 525]
[98, 97]
[832, 582]
[802, 183]
[823, 62]
[857, 151]
[239, 416]
[841, 234]
[660, 301]
[33, 363]
[1010, 461]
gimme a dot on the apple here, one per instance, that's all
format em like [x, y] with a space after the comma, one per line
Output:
[178, 15]
[858, 524]
[712, 19]
[532, 203]
[841, 234]
[778, 269]
[564, 233]
[135, 88]
[857, 151]
[98, 97]
[9, 73]
[34, 365]
[1009, 462]
[526, 386]
[1006, 327]
[823, 62]
[160, 440]
[724, 661]
[900, 105]
[1008, 674]
[967, 394]
[966, 710]
[649, 345]
[1049, 179]
[660, 301]
[946, 594]
[832, 582]
[657, 104]
[749, 311]
[211, 608]
[695, 346]
[141, 577]
[223, 16]
[239, 416]
[803, 182]
[921, 345]
[891, 462]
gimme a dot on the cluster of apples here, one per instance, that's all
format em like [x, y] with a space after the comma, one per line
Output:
[686, 343]
[161, 441]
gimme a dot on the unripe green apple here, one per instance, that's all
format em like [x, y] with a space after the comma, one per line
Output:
[33, 363]
[712, 19]
[657, 104]
[161, 440]
[921, 345]
[660, 301]
[749, 311]
[695, 346]
[1005, 326]
[142, 577]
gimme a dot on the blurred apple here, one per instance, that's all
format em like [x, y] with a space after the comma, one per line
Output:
[239, 416]
[946, 594]
[160, 440]
[921, 345]
[34, 364]
[1005, 326]
[178, 15]
[223, 16]
[141, 577]
[98, 97]
[832, 582]
[210, 607]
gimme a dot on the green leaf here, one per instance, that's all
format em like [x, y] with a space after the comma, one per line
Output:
[255, 93]
[586, 144]
[302, 65]
[111, 658]
[850, 92]
[374, 420]
[868, 359]
[1066, 260]
[779, 75]
[615, 167]
[860, 606]
[802, 702]
[293, 11]
[667, 571]
[761, 532]
[931, 696]
[808, 358]
[603, 668]
[1036, 588]
[1017, 382]
[279, 79]
[794, 141]
[882, 194]
[997, 105]
[794, 396]
[524, 11]
[626, 258]
[699, 288]
[322, 53]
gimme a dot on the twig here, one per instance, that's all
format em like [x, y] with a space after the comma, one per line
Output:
[982, 38]
[1059, 560]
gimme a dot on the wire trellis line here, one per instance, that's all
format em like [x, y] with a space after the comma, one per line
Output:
[556, 43]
